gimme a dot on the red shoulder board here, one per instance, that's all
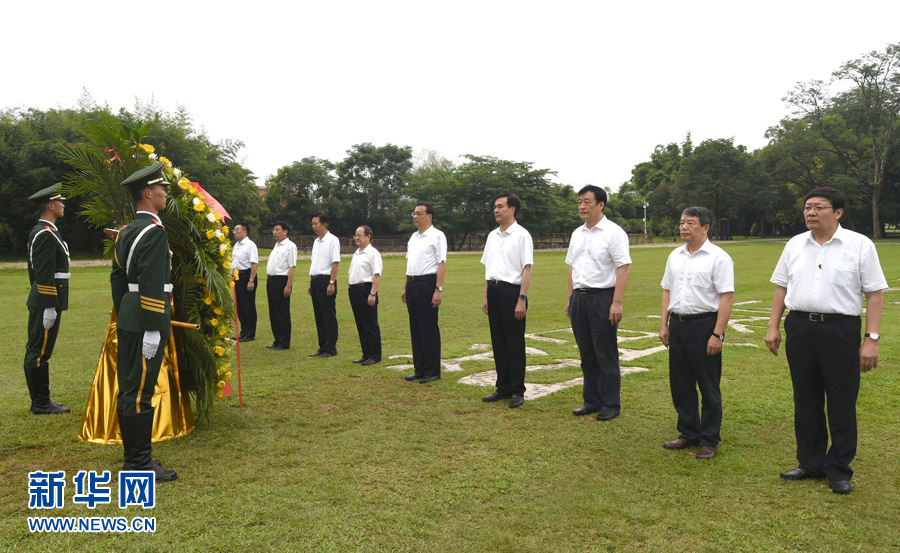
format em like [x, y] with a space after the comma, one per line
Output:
[47, 227]
[157, 223]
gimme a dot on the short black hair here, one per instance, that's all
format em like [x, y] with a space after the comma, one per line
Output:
[241, 224]
[833, 195]
[599, 193]
[284, 226]
[137, 192]
[367, 230]
[429, 209]
[700, 212]
[511, 201]
[322, 217]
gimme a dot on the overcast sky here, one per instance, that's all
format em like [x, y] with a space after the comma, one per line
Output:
[586, 89]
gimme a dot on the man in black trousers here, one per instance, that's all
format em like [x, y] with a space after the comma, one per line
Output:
[423, 288]
[363, 281]
[245, 259]
[821, 277]
[323, 268]
[507, 259]
[280, 269]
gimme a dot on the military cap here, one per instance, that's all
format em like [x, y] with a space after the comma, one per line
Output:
[147, 176]
[47, 194]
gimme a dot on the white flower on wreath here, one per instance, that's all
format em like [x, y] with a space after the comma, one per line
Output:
[218, 233]
[212, 219]
[196, 201]
[177, 172]
[152, 157]
[222, 247]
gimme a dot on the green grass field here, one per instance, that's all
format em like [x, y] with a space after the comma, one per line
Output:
[329, 456]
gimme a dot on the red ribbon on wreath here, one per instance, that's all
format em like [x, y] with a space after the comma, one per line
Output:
[115, 157]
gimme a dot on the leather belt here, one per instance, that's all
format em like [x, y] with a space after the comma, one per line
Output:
[134, 287]
[413, 278]
[695, 316]
[320, 277]
[592, 290]
[821, 317]
[501, 283]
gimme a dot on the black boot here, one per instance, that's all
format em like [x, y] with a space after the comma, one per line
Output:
[39, 387]
[126, 443]
[137, 434]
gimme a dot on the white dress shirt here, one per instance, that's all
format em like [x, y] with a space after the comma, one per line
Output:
[507, 253]
[425, 251]
[829, 278]
[282, 258]
[365, 265]
[694, 281]
[326, 250]
[596, 253]
[245, 253]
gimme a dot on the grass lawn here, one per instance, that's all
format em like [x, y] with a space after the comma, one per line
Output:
[329, 456]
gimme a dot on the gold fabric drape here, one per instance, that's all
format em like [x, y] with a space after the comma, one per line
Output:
[172, 417]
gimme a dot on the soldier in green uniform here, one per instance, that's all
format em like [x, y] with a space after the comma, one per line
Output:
[141, 286]
[48, 271]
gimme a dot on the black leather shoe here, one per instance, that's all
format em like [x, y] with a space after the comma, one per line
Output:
[496, 396]
[798, 473]
[316, 354]
[271, 346]
[841, 486]
[584, 410]
[516, 401]
[279, 348]
[370, 361]
[411, 377]
[326, 355]
[360, 360]
[242, 340]
[605, 415]
[428, 379]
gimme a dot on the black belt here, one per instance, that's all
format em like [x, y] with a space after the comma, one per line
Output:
[695, 316]
[822, 317]
[413, 278]
[502, 283]
[592, 290]
[320, 277]
[361, 284]
[243, 270]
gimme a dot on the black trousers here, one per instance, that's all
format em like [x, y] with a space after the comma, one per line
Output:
[279, 310]
[507, 338]
[325, 311]
[135, 374]
[424, 332]
[689, 369]
[824, 362]
[366, 317]
[596, 339]
[246, 304]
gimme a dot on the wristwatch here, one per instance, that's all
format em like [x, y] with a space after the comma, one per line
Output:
[523, 297]
[439, 288]
[719, 336]
[372, 294]
[330, 282]
[873, 335]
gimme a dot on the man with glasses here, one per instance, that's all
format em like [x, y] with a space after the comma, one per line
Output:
[423, 287]
[363, 280]
[821, 278]
[280, 269]
[599, 262]
[323, 268]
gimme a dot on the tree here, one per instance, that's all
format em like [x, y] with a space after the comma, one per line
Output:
[862, 149]
[295, 190]
[373, 179]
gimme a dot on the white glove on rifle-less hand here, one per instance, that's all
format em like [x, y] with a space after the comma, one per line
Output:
[151, 343]
[49, 317]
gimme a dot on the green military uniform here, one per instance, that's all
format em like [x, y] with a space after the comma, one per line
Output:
[141, 286]
[48, 272]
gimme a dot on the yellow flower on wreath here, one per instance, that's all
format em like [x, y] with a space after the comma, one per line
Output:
[199, 207]
[218, 311]
[147, 148]
[214, 322]
[223, 330]
[165, 160]
[208, 300]
[219, 350]
[210, 234]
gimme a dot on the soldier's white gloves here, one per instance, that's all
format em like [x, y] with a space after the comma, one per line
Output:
[49, 317]
[151, 343]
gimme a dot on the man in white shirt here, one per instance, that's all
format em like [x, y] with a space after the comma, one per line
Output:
[280, 270]
[698, 292]
[821, 278]
[245, 259]
[364, 278]
[599, 261]
[423, 287]
[508, 257]
[326, 255]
